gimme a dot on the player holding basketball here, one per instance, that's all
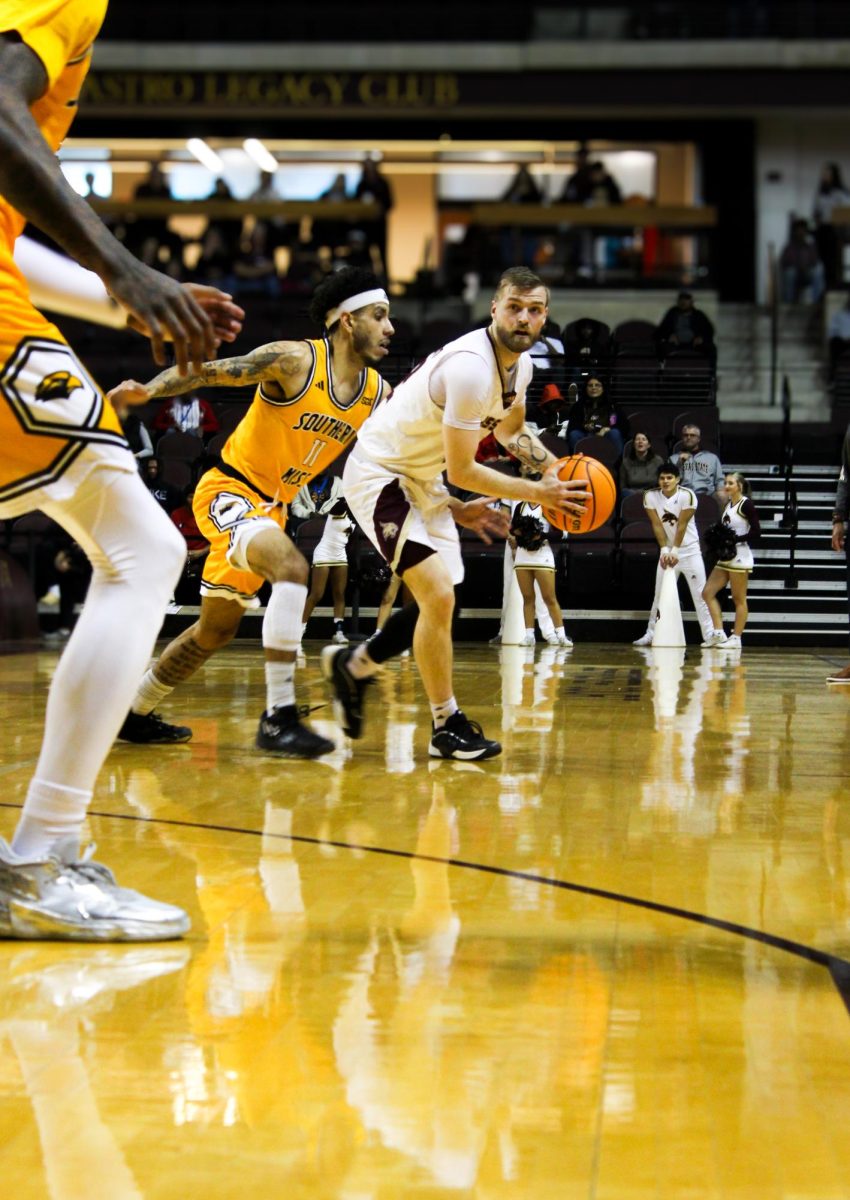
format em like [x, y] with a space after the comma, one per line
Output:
[394, 488]
[311, 398]
[63, 453]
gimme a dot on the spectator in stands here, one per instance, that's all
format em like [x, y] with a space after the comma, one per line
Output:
[577, 187]
[587, 343]
[337, 193]
[138, 438]
[186, 414]
[188, 588]
[639, 467]
[684, 327]
[604, 189]
[149, 237]
[166, 495]
[275, 227]
[215, 264]
[800, 266]
[831, 194]
[254, 265]
[839, 336]
[373, 188]
[522, 189]
[593, 415]
[840, 516]
[229, 229]
[700, 469]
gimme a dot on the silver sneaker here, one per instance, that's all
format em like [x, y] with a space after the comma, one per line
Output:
[67, 898]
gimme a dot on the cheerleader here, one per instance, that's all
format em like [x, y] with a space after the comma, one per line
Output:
[534, 562]
[741, 517]
[323, 496]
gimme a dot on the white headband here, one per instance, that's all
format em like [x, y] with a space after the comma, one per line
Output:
[375, 296]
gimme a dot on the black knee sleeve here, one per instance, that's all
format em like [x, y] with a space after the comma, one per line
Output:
[396, 636]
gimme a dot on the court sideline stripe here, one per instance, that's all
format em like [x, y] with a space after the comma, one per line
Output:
[839, 968]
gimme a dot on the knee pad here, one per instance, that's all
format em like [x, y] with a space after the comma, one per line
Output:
[241, 538]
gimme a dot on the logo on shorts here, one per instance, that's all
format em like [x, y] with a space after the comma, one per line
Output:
[490, 423]
[57, 386]
[389, 530]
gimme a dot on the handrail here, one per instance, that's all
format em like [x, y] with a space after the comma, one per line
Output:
[790, 520]
[773, 300]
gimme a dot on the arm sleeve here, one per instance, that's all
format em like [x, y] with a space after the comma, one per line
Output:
[63, 286]
[464, 380]
[748, 510]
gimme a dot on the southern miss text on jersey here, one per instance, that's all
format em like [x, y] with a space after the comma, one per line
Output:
[280, 444]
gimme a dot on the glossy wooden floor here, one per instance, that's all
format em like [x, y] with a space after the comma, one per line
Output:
[613, 963]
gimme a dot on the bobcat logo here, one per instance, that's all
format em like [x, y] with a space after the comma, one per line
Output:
[669, 518]
[57, 386]
[389, 530]
[490, 423]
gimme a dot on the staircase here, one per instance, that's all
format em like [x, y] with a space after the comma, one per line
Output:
[743, 340]
[814, 611]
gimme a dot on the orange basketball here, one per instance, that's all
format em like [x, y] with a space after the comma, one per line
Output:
[597, 480]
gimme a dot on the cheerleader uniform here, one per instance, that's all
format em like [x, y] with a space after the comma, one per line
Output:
[331, 550]
[541, 559]
[742, 518]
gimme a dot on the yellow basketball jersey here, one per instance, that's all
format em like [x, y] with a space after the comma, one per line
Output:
[50, 408]
[281, 444]
[60, 33]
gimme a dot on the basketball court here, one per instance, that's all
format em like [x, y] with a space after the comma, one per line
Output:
[612, 963]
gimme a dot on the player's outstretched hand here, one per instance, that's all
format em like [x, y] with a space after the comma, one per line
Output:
[225, 314]
[126, 395]
[164, 310]
[487, 522]
[566, 494]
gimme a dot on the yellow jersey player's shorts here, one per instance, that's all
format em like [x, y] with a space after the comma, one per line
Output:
[54, 422]
[229, 513]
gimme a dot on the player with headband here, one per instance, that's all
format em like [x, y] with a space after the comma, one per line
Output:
[311, 399]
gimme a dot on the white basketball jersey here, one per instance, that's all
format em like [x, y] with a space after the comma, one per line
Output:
[669, 510]
[405, 433]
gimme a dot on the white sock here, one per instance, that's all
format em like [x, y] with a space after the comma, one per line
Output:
[280, 684]
[51, 814]
[150, 693]
[530, 632]
[441, 712]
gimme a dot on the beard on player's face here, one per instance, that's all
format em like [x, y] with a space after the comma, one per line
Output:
[513, 339]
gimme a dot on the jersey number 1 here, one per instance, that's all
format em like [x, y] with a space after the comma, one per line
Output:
[313, 453]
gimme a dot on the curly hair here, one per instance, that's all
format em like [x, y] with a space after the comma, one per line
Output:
[350, 281]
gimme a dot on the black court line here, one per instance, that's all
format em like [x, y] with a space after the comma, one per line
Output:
[839, 968]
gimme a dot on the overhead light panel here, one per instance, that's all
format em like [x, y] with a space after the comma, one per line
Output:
[264, 159]
[205, 154]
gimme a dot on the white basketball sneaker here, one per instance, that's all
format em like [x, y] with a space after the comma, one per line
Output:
[718, 638]
[733, 642]
[527, 639]
[63, 897]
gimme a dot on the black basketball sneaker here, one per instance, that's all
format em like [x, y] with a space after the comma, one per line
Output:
[281, 732]
[462, 738]
[349, 693]
[149, 728]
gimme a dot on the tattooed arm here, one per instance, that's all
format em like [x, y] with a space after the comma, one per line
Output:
[521, 442]
[282, 365]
